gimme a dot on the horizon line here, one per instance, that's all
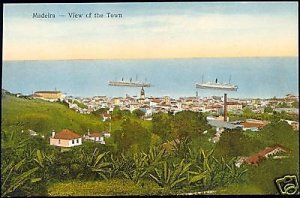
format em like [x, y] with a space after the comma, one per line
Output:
[81, 59]
[203, 96]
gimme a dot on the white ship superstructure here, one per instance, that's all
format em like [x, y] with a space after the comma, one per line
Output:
[129, 83]
[216, 85]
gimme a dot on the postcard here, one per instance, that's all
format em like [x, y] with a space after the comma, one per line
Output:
[152, 98]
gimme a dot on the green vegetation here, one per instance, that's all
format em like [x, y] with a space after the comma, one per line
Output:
[268, 109]
[283, 105]
[45, 166]
[43, 117]
[268, 115]
[188, 124]
[183, 124]
[241, 189]
[80, 104]
[132, 137]
[99, 112]
[235, 143]
[105, 188]
[295, 104]
[261, 179]
[162, 125]
[138, 113]
[134, 160]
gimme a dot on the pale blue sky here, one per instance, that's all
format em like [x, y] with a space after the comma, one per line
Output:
[135, 9]
[152, 30]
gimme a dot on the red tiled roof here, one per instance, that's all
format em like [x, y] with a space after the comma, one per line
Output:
[66, 134]
[252, 124]
[217, 106]
[254, 159]
[258, 157]
[156, 100]
[233, 103]
[95, 134]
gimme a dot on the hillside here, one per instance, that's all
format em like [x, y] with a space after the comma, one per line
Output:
[43, 117]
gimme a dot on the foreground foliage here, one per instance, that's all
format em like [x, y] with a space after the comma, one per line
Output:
[169, 155]
[197, 170]
[105, 188]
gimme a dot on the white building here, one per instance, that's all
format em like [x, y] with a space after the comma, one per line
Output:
[65, 138]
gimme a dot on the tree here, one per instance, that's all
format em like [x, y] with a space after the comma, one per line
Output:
[248, 113]
[99, 112]
[295, 104]
[139, 113]
[280, 132]
[132, 135]
[161, 125]
[282, 105]
[118, 114]
[234, 143]
[188, 124]
[268, 109]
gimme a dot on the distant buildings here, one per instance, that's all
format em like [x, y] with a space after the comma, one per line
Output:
[293, 111]
[254, 125]
[234, 106]
[98, 137]
[165, 104]
[95, 136]
[291, 97]
[48, 95]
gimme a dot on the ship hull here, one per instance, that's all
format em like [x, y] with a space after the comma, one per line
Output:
[128, 84]
[217, 87]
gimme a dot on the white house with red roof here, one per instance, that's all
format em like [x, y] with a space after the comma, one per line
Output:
[65, 138]
[98, 137]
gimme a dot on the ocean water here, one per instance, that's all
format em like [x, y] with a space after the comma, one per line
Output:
[255, 77]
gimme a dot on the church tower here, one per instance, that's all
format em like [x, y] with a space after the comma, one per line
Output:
[142, 96]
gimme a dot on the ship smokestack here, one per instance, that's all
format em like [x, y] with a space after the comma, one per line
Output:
[225, 107]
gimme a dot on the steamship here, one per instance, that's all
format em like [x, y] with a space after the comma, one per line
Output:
[129, 83]
[216, 85]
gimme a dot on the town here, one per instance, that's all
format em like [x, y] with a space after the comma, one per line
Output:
[224, 116]
[213, 107]
[226, 125]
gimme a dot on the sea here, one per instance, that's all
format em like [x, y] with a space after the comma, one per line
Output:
[255, 77]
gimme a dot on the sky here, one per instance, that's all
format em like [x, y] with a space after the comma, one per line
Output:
[150, 31]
